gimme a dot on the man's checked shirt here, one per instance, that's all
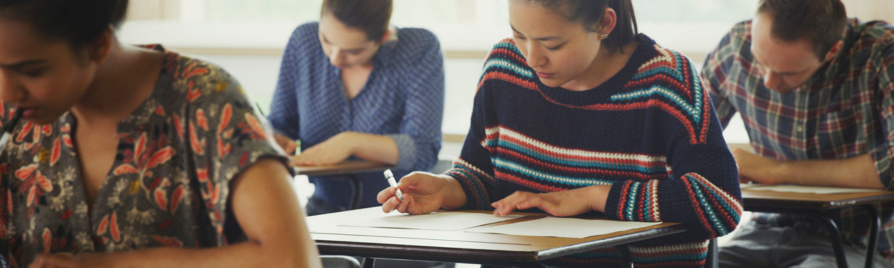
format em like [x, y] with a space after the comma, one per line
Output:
[845, 110]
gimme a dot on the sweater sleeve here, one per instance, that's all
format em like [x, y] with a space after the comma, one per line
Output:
[473, 168]
[703, 189]
[419, 139]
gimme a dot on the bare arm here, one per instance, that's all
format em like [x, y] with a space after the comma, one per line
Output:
[855, 172]
[266, 208]
[375, 148]
[369, 147]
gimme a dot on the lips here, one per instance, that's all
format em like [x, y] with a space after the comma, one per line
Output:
[28, 113]
[545, 75]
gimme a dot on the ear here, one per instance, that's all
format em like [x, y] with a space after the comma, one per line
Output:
[99, 50]
[385, 36]
[609, 20]
[834, 50]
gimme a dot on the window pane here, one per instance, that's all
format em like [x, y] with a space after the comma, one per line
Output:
[263, 10]
[702, 11]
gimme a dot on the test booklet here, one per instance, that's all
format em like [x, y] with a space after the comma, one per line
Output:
[804, 189]
[563, 227]
[437, 221]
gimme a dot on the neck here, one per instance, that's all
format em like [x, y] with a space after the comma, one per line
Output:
[606, 65]
[119, 86]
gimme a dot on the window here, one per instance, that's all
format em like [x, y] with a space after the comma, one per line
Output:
[247, 36]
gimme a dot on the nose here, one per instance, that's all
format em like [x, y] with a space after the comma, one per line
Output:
[772, 81]
[535, 57]
[336, 58]
[11, 90]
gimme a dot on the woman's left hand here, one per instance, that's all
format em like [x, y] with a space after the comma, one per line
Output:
[64, 260]
[565, 203]
[332, 151]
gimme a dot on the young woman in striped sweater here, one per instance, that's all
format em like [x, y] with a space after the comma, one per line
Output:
[579, 113]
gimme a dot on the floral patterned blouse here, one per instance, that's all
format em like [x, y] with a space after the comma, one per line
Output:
[168, 185]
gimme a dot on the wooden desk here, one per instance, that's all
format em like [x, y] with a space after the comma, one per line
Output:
[821, 207]
[349, 168]
[459, 246]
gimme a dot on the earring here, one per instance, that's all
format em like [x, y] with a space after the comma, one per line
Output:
[603, 36]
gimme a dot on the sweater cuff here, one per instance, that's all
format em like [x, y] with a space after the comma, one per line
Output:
[633, 201]
[406, 148]
[614, 198]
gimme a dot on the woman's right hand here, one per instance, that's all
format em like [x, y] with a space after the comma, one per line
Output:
[423, 193]
[287, 144]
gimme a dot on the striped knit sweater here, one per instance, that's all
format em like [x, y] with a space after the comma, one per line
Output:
[650, 132]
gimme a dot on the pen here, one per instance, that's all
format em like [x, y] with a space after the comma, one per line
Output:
[390, 177]
[7, 129]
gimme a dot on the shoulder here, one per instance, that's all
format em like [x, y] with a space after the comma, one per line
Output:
[506, 63]
[417, 36]
[307, 31]
[667, 60]
[417, 44]
[202, 83]
[875, 30]
[876, 36]
[734, 48]
[505, 55]
[736, 41]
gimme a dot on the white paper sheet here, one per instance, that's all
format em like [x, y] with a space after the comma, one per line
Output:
[439, 221]
[805, 189]
[563, 227]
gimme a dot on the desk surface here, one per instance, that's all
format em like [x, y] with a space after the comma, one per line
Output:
[759, 200]
[459, 246]
[347, 167]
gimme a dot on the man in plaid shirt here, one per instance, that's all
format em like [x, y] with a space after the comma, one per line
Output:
[815, 90]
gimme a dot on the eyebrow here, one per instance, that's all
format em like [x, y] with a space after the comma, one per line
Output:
[21, 64]
[785, 73]
[545, 38]
[353, 50]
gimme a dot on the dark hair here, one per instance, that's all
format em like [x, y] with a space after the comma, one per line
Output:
[77, 22]
[589, 13]
[370, 16]
[820, 21]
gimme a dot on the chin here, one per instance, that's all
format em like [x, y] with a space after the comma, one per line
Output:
[551, 82]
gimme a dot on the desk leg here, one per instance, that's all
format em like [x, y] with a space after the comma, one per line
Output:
[358, 192]
[626, 258]
[874, 225]
[835, 236]
[711, 261]
[368, 262]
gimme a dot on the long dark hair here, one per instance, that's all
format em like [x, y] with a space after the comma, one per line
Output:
[589, 14]
[77, 22]
[370, 16]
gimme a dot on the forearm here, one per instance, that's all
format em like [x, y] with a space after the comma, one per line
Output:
[856, 172]
[454, 196]
[375, 148]
[597, 196]
[246, 254]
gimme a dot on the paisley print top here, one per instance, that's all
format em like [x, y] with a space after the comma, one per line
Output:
[168, 185]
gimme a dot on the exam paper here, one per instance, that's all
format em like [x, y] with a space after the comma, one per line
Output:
[805, 189]
[439, 221]
[563, 227]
